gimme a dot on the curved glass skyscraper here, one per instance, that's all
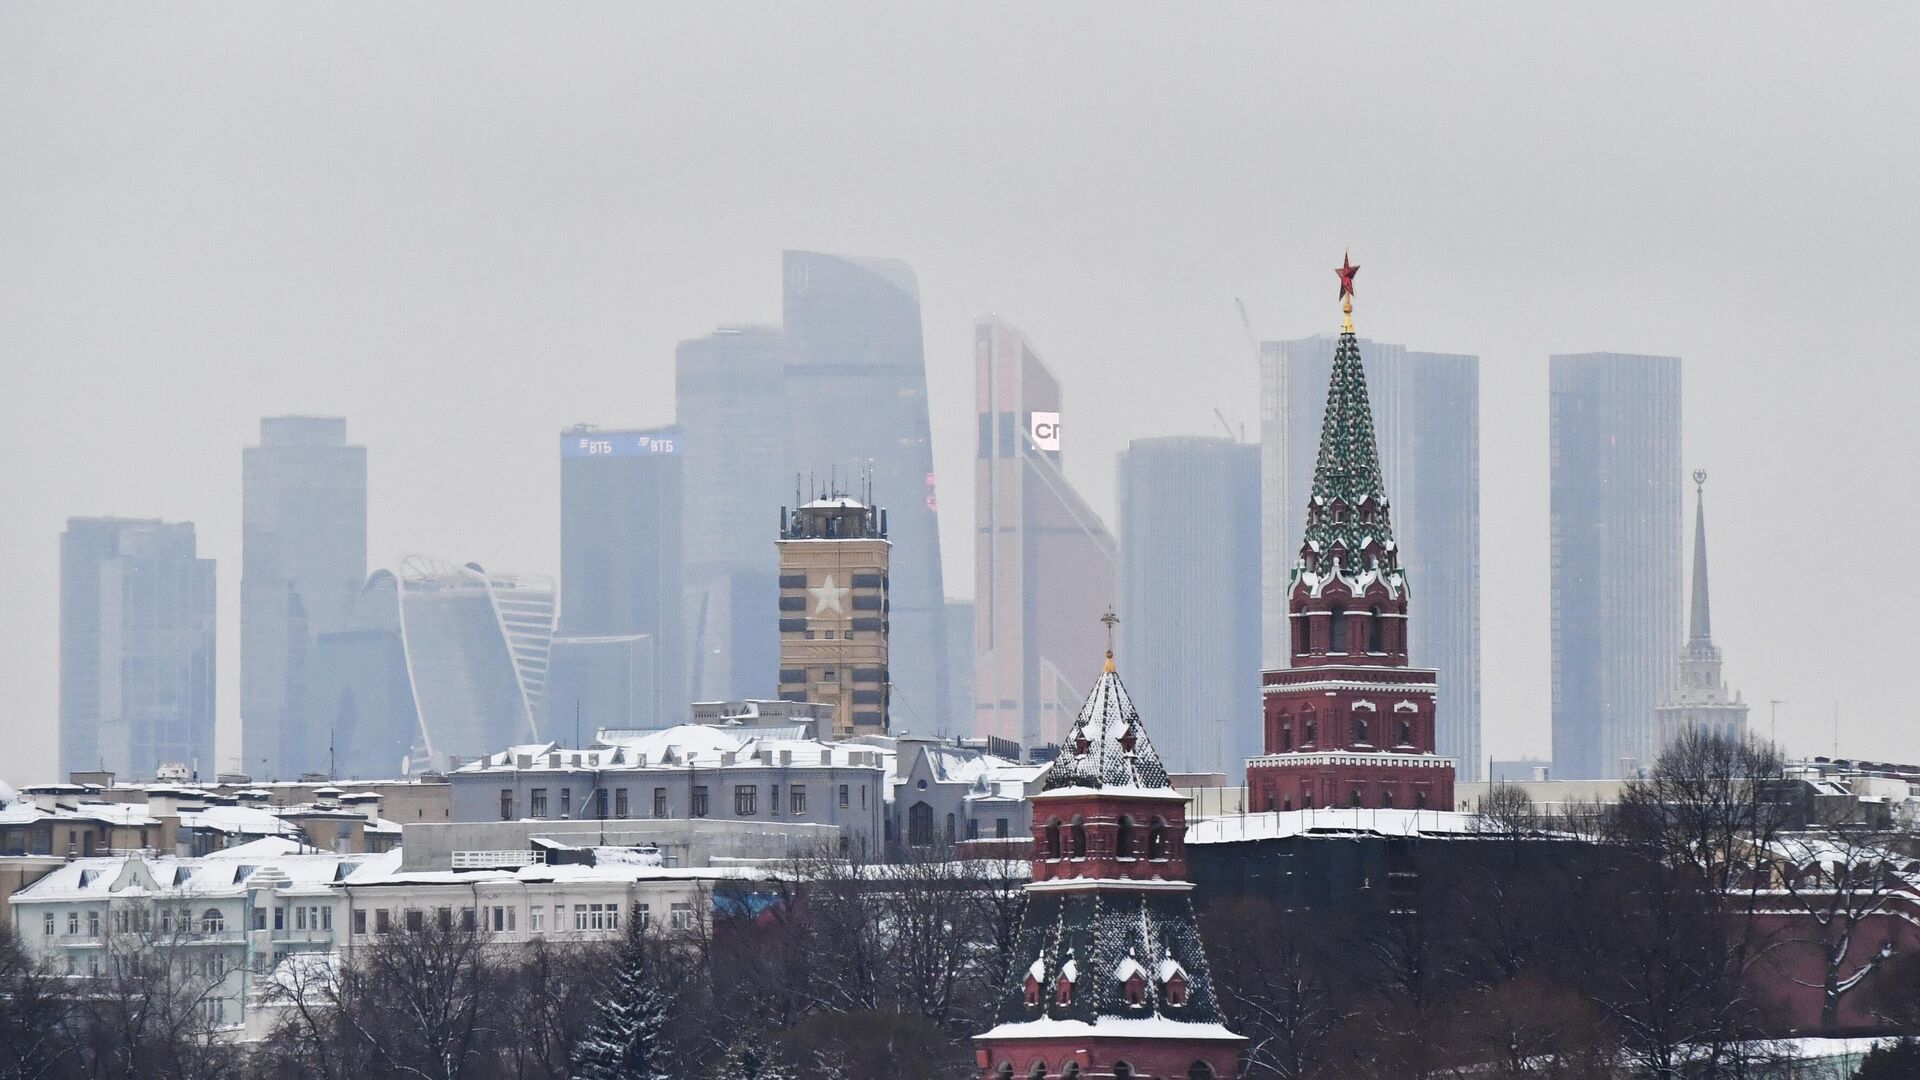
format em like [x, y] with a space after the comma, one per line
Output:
[857, 390]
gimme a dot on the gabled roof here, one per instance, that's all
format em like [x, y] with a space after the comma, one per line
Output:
[1107, 747]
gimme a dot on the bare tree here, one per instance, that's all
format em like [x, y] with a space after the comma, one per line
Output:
[1836, 881]
[36, 1040]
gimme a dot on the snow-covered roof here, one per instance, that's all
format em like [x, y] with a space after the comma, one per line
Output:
[1279, 824]
[224, 873]
[700, 745]
[1107, 748]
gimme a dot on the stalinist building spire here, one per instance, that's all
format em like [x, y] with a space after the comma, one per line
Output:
[1698, 699]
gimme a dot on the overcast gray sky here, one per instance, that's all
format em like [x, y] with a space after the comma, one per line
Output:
[464, 226]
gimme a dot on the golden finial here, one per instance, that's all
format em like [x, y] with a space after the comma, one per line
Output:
[1112, 621]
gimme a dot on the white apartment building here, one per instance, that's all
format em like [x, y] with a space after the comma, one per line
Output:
[233, 928]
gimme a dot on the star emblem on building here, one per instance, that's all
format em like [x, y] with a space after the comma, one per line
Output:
[827, 596]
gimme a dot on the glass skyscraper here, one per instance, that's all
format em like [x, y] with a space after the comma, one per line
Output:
[857, 394]
[136, 648]
[1045, 566]
[303, 559]
[438, 661]
[621, 568]
[734, 419]
[1426, 409]
[1617, 521]
[1190, 602]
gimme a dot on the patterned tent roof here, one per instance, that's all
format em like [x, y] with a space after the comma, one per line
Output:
[1107, 746]
[1347, 474]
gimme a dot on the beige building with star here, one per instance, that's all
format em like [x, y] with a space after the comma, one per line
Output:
[834, 611]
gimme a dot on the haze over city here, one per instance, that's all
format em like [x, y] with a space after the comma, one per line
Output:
[463, 235]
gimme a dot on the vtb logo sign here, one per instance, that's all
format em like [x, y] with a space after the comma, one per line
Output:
[1044, 429]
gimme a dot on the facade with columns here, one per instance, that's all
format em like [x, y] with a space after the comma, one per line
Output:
[1349, 722]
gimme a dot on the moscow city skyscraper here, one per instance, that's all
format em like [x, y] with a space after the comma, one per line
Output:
[1189, 596]
[1045, 566]
[136, 648]
[857, 394]
[1426, 409]
[1617, 521]
[731, 402]
[621, 573]
[303, 558]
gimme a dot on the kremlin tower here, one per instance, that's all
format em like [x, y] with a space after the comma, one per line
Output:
[1109, 981]
[1348, 723]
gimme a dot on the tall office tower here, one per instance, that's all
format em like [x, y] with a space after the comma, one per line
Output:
[1348, 721]
[1699, 700]
[960, 665]
[1616, 501]
[438, 661]
[1190, 597]
[136, 647]
[857, 389]
[303, 558]
[1427, 420]
[1045, 566]
[731, 396]
[835, 597]
[620, 559]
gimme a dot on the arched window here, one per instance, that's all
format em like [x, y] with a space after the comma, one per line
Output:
[1122, 1071]
[1386, 799]
[1077, 838]
[1354, 798]
[1157, 838]
[1309, 728]
[1419, 800]
[1200, 1070]
[1337, 631]
[1123, 838]
[1037, 1071]
[1286, 734]
[1359, 728]
[212, 922]
[1033, 990]
[1053, 838]
[1070, 1071]
[919, 824]
[1406, 733]
[1005, 1071]
[1374, 637]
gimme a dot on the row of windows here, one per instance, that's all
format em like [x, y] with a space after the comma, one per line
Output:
[505, 918]
[746, 801]
[1126, 842]
[141, 921]
[1362, 730]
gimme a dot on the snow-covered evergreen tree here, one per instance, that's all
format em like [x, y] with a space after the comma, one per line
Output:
[751, 1060]
[627, 1038]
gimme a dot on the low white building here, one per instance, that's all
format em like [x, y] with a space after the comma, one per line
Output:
[235, 929]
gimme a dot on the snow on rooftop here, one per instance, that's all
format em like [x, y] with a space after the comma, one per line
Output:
[1280, 824]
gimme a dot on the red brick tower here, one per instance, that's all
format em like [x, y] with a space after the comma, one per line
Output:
[1348, 723]
[1110, 981]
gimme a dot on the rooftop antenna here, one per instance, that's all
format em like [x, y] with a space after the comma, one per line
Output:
[1773, 719]
[1222, 417]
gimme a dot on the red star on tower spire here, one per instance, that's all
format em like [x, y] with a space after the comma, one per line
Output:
[1346, 270]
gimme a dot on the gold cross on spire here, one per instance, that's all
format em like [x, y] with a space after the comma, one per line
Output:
[1112, 621]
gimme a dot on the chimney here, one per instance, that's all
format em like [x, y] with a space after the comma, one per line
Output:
[523, 761]
[553, 760]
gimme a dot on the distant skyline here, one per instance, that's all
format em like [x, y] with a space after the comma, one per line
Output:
[465, 233]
